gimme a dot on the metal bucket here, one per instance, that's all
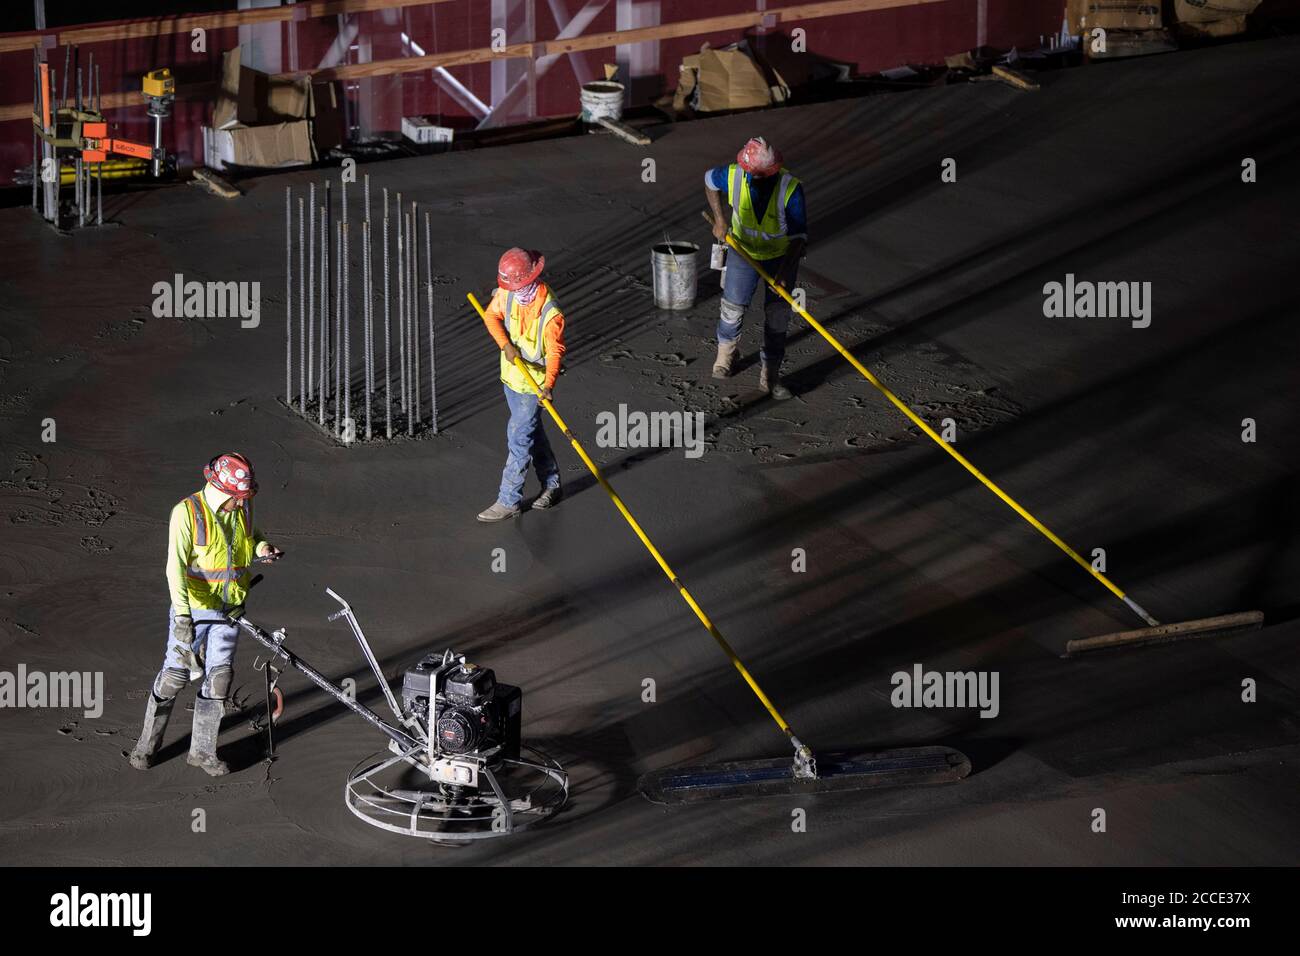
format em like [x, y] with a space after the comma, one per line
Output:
[601, 98]
[672, 266]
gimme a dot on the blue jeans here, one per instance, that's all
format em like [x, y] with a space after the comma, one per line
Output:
[214, 641]
[526, 442]
[739, 285]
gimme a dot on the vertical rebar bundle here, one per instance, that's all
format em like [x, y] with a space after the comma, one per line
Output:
[327, 217]
[80, 173]
[338, 325]
[415, 327]
[428, 287]
[312, 380]
[365, 311]
[324, 311]
[302, 298]
[401, 306]
[349, 430]
[99, 167]
[36, 111]
[288, 296]
[388, 363]
[311, 291]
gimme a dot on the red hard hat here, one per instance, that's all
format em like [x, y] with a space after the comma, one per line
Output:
[233, 474]
[758, 158]
[519, 267]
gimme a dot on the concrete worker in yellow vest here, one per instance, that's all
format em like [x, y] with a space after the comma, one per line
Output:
[769, 221]
[212, 544]
[525, 321]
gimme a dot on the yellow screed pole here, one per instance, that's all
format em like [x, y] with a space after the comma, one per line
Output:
[920, 423]
[654, 553]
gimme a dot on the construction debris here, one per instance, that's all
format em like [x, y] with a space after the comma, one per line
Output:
[1015, 78]
[1212, 18]
[623, 131]
[215, 184]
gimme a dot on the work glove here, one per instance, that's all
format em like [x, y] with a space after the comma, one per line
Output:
[510, 351]
[269, 551]
[545, 394]
[183, 628]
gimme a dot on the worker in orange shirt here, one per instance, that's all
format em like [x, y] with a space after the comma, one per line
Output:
[525, 321]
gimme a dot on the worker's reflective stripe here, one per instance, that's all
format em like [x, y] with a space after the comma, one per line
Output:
[774, 239]
[200, 521]
[215, 574]
[781, 200]
[221, 554]
[734, 194]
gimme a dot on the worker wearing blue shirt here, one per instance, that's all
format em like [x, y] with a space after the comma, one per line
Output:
[769, 222]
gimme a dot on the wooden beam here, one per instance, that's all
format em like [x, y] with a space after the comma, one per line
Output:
[184, 23]
[113, 101]
[598, 41]
[415, 64]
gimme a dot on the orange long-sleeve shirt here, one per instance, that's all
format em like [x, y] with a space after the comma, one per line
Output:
[495, 319]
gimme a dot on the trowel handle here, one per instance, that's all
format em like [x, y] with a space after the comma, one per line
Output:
[337, 614]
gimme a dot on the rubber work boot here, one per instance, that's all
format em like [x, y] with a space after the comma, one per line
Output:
[156, 714]
[726, 355]
[769, 380]
[549, 498]
[498, 512]
[208, 712]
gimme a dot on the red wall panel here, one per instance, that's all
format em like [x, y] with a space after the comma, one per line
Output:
[869, 41]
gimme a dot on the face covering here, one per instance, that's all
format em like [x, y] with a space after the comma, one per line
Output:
[527, 293]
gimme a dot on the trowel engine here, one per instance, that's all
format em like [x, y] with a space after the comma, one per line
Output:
[468, 716]
[456, 768]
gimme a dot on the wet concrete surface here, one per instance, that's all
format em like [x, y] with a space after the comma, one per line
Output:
[1121, 438]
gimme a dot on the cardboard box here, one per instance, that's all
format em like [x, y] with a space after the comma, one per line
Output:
[1213, 18]
[726, 79]
[274, 145]
[236, 93]
[1085, 15]
[260, 121]
[271, 146]
[326, 117]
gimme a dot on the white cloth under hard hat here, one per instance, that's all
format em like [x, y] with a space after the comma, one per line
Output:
[527, 293]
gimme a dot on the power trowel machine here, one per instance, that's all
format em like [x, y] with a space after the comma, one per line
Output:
[456, 769]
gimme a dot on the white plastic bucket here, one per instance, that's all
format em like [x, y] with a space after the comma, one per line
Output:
[672, 267]
[601, 98]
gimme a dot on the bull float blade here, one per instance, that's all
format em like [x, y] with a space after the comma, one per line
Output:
[905, 767]
[1165, 633]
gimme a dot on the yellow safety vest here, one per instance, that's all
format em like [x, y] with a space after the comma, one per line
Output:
[765, 237]
[218, 572]
[532, 346]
